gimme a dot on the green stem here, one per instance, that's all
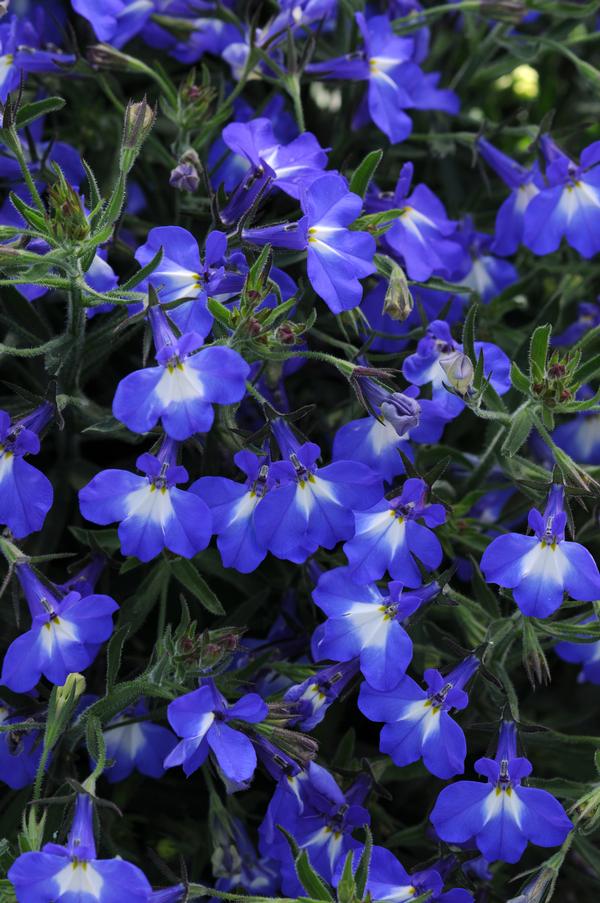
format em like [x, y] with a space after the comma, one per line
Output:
[17, 149]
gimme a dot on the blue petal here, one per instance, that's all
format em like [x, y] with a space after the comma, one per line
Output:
[233, 750]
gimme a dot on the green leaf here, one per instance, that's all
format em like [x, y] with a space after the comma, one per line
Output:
[114, 654]
[538, 352]
[346, 888]
[518, 432]
[310, 881]
[589, 370]
[144, 272]
[364, 172]
[100, 540]
[362, 871]
[31, 216]
[518, 379]
[29, 112]
[96, 744]
[468, 336]
[184, 571]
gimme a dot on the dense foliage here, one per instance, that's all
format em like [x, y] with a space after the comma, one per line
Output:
[299, 450]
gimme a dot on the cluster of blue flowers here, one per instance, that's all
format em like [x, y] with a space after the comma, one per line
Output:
[341, 405]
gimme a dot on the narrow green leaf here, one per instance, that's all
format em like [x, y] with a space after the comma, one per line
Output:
[588, 370]
[518, 432]
[518, 379]
[468, 336]
[184, 571]
[538, 352]
[346, 888]
[114, 653]
[362, 871]
[144, 272]
[312, 883]
[364, 172]
[29, 112]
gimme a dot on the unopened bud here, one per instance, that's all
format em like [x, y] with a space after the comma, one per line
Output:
[285, 334]
[71, 690]
[138, 122]
[398, 303]
[459, 371]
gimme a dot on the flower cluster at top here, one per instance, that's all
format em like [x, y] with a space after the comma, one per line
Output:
[299, 448]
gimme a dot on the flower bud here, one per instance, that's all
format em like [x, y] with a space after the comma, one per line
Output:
[139, 119]
[398, 303]
[71, 690]
[68, 221]
[459, 371]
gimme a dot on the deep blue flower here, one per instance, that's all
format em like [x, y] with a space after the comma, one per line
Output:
[322, 820]
[309, 700]
[488, 275]
[22, 53]
[182, 275]
[181, 390]
[388, 537]
[235, 862]
[569, 207]
[233, 506]
[20, 751]
[66, 634]
[116, 21]
[395, 82]
[500, 816]
[541, 568]
[417, 721]
[388, 880]
[438, 347]
[338, 257]
[152, 513]
[25, 493]
[586, 654]
[312, 506]
[362, 622]
[72, 872]
[134, 743]
[524, 184]
[201, 719]
[422, 237]
[401, 417]
[270, 163]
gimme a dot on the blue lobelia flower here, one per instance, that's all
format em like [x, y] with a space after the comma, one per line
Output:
[72, 872]
[322, 823]
[201, 719]
[152, 513]
[388, 537]
[308, 701]
[235, 862]
[66, 634]
[588, 316]
[22, 53]
[437, 349]
[500, 815]
[585, 653]
[395, 81]
[116, 21]
[271, 163]
[417, 721]
[541, 568]
[312, 506]
[388, 880]
[136, 744]
[488, 275]
[233, 506]
[524, 185]
[398, 418]
[181, 390]
[338, 257]
[182, 274]
[364, 623]
[569, 206]
[25, 493]
[20, 751]
[422, 238]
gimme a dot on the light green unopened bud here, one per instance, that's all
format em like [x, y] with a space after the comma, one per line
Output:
[459, 371]
[137, 125]
[70, 691]
[398, 302]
